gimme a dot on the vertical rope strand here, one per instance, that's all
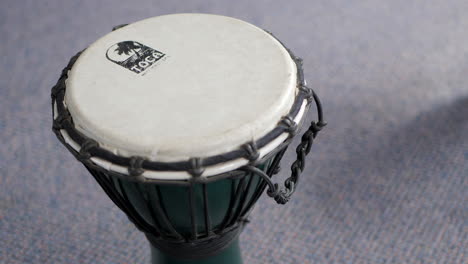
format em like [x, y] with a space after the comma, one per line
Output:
[239, 189]
[161, 211]
[149, 206]
[193, 215]
[242, 202]
[206, 210]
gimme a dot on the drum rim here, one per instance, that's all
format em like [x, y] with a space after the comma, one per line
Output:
[136, 165]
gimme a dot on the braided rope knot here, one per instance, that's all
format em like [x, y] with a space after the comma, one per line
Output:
[284, 196]
[288, 192]
[83, 154]
[290, 125]
[273, 190]
[59, 87]
[60, 121]
[251, 151]
[308, 93]
[316, 127]
[197, 169]
[135, 168]
[281, 199]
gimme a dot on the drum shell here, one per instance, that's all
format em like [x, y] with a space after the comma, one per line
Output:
[192, 220]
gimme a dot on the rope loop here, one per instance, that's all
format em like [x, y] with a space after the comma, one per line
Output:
[197, 169]
[282, 196]
[307, 92]
[251, 151]
[290, 125]
[87, 145]
[59, 87]
[135, 169]
[60, 121]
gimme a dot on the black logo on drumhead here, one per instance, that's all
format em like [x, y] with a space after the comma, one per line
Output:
[133, 55]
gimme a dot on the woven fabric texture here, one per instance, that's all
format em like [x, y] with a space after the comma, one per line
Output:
[386, 181]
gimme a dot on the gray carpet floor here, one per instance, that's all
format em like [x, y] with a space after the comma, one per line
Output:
[387, 179]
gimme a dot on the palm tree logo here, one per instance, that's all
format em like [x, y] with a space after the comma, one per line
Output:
[133, 55]
[127, 47]
[122, 51]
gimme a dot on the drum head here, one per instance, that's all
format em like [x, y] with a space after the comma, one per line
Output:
[174, 87]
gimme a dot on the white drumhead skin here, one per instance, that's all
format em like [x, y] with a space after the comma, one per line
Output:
[219, 83]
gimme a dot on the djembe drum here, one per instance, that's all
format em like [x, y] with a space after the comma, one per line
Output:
[183, 120]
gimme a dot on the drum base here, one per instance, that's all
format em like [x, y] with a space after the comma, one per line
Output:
[229, 255]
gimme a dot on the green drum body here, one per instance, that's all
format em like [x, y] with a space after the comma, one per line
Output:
[186, 161]
[188, 222]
